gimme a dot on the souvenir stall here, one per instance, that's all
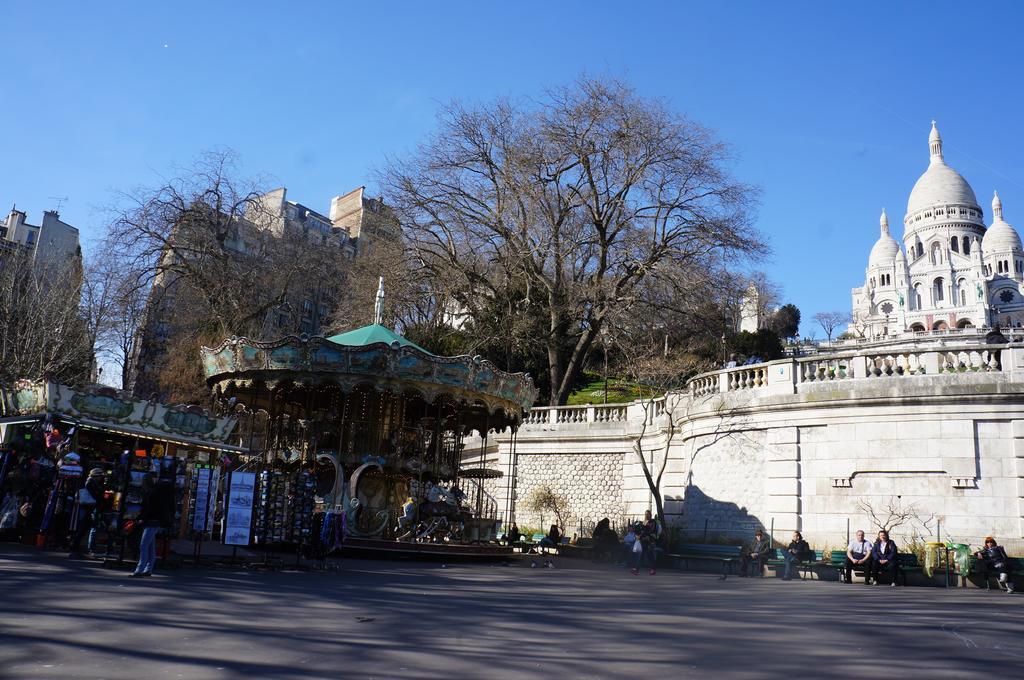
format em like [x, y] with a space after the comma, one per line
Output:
[364, 431]
[52, 435]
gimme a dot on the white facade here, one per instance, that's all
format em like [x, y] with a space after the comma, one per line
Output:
[50, 243]
[949, 271]
[797, 444]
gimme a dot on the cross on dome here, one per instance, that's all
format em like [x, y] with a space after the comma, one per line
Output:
[935, 144]
[884, 222]
[997, 206]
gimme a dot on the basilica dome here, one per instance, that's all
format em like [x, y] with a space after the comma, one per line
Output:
[1000, 237]
[940, 184]
[886, 248]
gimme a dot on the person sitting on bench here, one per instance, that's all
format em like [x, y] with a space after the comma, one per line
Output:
[606, 541]
[758, 553]
[796, 551]
[553, 538]
[513, 535]
[993, 559]
[883, 559]
[858, 555]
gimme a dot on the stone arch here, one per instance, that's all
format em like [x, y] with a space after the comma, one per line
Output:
[917, 327]
[964, 323]
[940, 326]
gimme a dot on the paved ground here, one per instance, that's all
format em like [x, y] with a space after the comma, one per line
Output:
[61, 619]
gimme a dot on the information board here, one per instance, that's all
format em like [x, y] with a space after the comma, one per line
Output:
[238, 503]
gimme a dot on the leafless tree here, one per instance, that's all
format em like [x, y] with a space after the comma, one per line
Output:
[582, 203]
[659, 377]
[893, 514]
[42, 330]
[215, 259]
[829, 321]
[114, 305]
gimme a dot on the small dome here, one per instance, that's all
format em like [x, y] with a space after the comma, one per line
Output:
[940, 184]
[886, 248]
[1000, 237]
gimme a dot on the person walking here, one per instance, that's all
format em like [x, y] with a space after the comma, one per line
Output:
[647, 535]
[89, 498]
[157, 514]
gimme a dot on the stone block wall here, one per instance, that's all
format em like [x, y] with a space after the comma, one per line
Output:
[592, 484]
[726, 488]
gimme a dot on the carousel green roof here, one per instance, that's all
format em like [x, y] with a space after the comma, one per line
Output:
[372, 354]
[373, 334]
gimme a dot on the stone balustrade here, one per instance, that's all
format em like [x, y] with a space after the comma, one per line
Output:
[562, 417]
[794, 376]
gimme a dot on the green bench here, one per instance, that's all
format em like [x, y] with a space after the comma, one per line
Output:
[804, 566]
[583, 547]
[905, 562]
[1016, 565]
[725, 555]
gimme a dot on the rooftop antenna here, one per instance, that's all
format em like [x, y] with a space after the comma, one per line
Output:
[60, 201]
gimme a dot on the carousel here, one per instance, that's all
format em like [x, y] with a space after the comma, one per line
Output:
[370, 426]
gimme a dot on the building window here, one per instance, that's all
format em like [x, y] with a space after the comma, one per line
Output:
[967, 245]
[920, 249]
[31, 238]
[917, 297]
[937, 290]
[1006, 296]
[954, 244]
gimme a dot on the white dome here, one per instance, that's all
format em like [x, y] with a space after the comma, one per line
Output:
[1000, 237]
[940, 184]
[886, 248]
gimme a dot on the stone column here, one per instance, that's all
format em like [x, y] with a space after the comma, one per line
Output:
[1018, 452]
[782, 481]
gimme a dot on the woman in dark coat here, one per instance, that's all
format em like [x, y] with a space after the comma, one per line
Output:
[994, 560]
[157, 514]
[884, 558]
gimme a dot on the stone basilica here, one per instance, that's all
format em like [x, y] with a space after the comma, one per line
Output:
[950, 271]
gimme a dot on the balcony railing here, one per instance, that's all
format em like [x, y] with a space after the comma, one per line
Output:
[794, 376]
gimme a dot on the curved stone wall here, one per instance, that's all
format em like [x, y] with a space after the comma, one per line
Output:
[934, 437]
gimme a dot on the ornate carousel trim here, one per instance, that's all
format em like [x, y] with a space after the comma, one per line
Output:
[395, 368]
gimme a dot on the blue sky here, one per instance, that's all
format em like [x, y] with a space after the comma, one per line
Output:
[827, 105]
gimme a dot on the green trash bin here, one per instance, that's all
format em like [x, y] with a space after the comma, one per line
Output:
[961, 557]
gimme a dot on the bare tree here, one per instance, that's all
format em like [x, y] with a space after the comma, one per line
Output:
[829, 321]
[580, 203]
[893, 514]
[42, 330]
[215, 259]
[114, 305]
[656, 376]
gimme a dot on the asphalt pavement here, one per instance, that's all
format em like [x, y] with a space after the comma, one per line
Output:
[377, 619]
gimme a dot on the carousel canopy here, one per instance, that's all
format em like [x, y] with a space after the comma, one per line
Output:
[372, 355]
[372, 335]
